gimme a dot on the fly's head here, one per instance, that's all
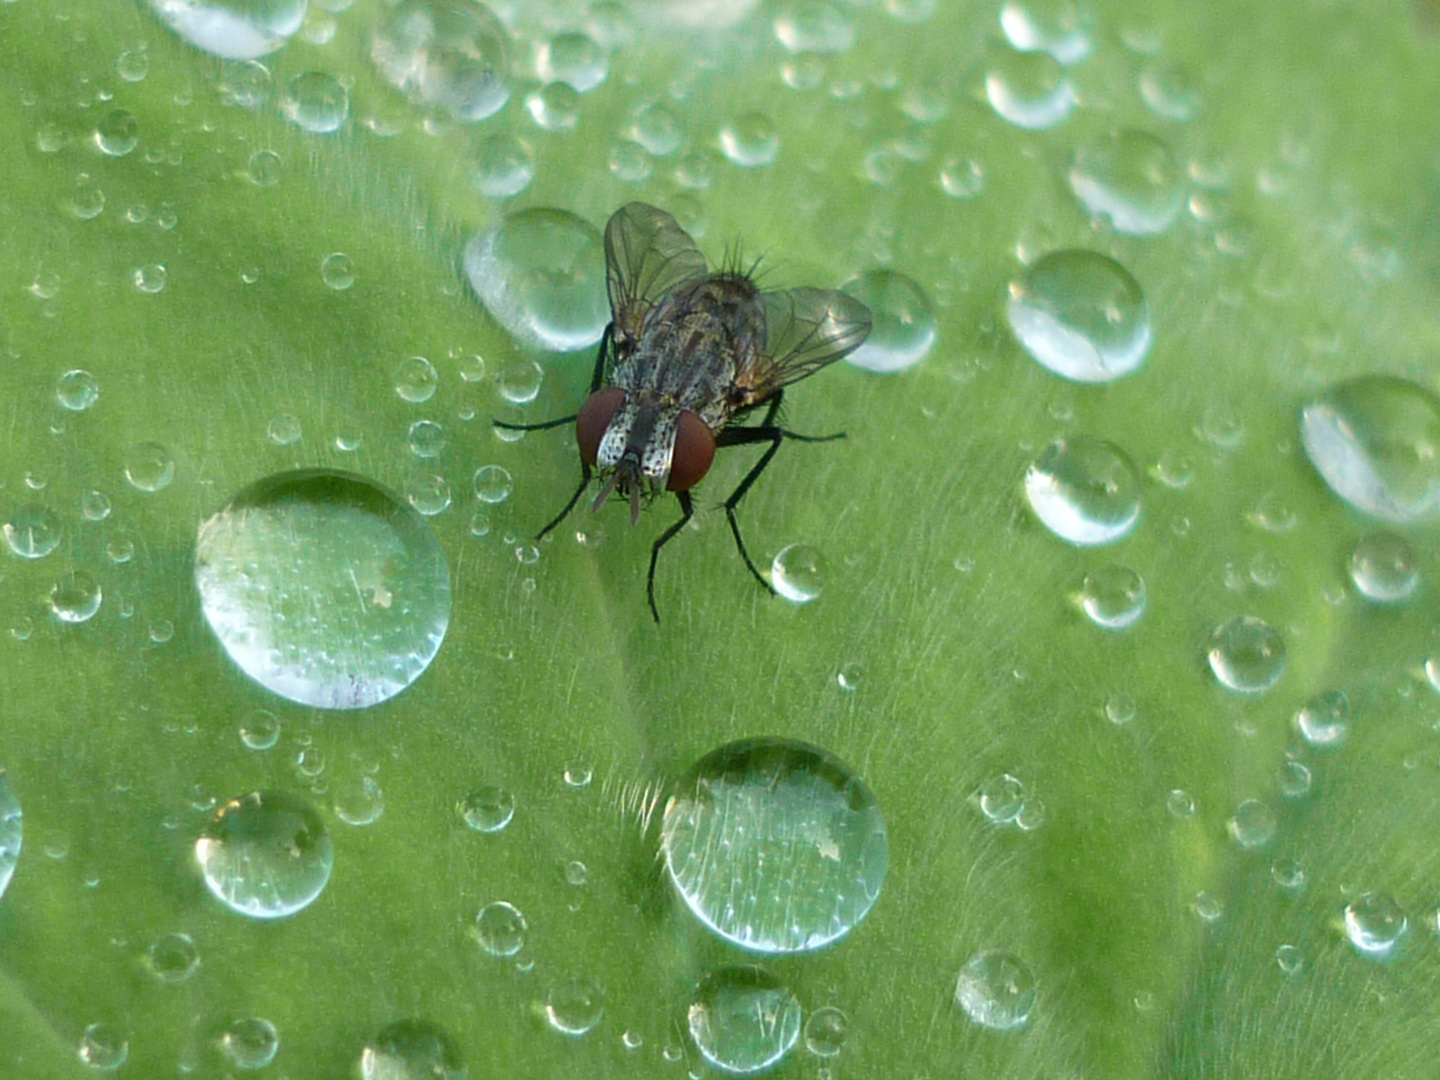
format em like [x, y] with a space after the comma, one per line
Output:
[641, 446]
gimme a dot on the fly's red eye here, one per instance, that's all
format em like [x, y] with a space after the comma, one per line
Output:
[694, 451]
[595, 416]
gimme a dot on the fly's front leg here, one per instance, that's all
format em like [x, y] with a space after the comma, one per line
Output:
[687, 510]
[766, 431]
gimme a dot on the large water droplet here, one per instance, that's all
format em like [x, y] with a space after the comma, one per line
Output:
[232, 29]
[250, 1043]
[744, 1020]
[903, 331]
[1374, 923]
[11, 830]
[541, 274]
[412, 1050]
[444, 53]
[1375, 440]
[324, 588]
[265, 855]
[775, 845]
[1384, 568]
[1085, 490]
[1131, 178]
[32, 531]
[996, 990]
[1247, 655]
[1029, 89]
[1081, 315]
[574, 58]
[315, 102]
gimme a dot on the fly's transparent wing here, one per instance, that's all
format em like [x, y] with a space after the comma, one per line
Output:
[647, 255]
[805, 329]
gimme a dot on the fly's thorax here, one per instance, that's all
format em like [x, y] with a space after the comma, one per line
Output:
[645, 428]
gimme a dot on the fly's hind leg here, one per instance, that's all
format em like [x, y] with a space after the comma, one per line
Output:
[687, 510]
[766, 431]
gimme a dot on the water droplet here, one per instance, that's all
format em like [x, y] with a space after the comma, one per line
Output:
[850, 677]
[1119, 708]
[1084, 490]
[575, 1006]
[1247, 655]
[1002, 798]
[632, 1040]
[1325, 719]
[150, 278]
[324, 588]
[488, 809]
[232, 29]
[1384, 568]
[1081, 315]
[1293, 779]
[578, 776]
[1113, 597]
[904, 321]
[87, 201]
[1169, 91]
[426, 439]
[555, 106]
[1375, 440]
[77, 390]
[775, 845]
[962, 178]
[117, 133]
[245, 84]
[1253, 824]
[315, 102]
[1058, 27]
[172, 958]
[493, 483]
[500, 928]
[798, 573]
[359, 801]
[337, 271]
[812, 26]
[826, 1031]
[576, 873]
[1289, 959]
[447, 55]
[750, 141]
[1374, 923]
[265, 855]
[1208, 906]
[284, 430]
[75, 597]
[416, 380]
[541, 274]
[133, 65]
[1029, 89]
[1130, 177]
[103, 1047]
[629, 162]
[574, 58]
[1288, 874]
[11, 830]
[33, 531]
[1180, 803]
[504, 166]
[260, 730]
[412, 1050]
[743, 1020]
[656, 128]
[264, 170]
[251, 1043]
[996, 990]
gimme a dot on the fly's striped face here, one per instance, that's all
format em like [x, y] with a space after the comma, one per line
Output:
[690, 350]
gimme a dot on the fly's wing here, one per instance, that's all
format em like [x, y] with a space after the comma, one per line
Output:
[647, 255]
[805, 329]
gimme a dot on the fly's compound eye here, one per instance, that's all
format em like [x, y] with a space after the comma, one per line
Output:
[595, 416]
[694, 451]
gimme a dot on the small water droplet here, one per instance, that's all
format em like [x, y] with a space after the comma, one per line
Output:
[488, 809]
[1247, 655]
[1289, 959]
[95, 505]
[1293, 779]
[750, 141]
[962, 178]
[133, 65]
[574, 58]
[103, 1047]
[555, 106]
[1081, 315]
[426, 439]
[1374, 923]
[245, 84]
[504, 166]
[1002, 798]
[315, 102]
[264, 169]
[412, 1050]
[117, 133]
[1253, 824]
[260, 730]
[813, 26]
[1375, 440]
[284, 430]
[251, 1043]
[1113, 597]
[826, 1031]
[575, 1007]
[656, 128]
[1058, 27]
[1084, 490]
[445, 55]
[798, 573]
[33, 531]
[1325, 719]
[1180, 804]
[1208, 906]
[743, 1020]
[997, 990]
[75, 597]
[172, 958]
[337, 271]
[150, 278]
[359, 801]
[1029, 89]
[1384, 568]
[904, 328]
[1131, 178]
[1288, 874]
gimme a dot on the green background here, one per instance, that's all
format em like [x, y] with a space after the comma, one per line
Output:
[1314, 255]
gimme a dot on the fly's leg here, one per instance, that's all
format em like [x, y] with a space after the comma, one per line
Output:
[595, 379]
[687, 510]
[766, 431]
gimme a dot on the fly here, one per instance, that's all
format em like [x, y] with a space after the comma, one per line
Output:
[687, 354]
